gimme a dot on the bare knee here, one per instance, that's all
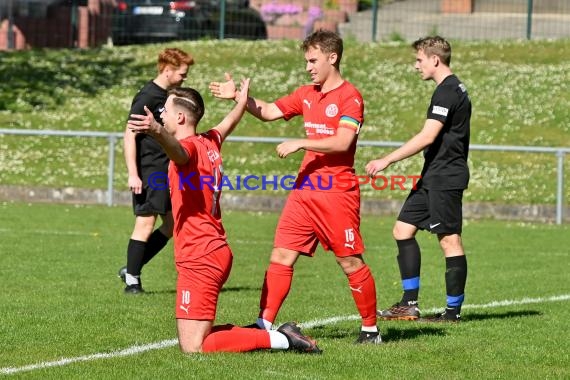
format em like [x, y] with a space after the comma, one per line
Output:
[143, 227]
[451, 244]
[190, 348]
[350, 264]
[190, 340]
[403, 231]
[284, 256]
[191, 334]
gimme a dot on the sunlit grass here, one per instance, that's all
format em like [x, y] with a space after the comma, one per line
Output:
[518, 89]
[61, 299]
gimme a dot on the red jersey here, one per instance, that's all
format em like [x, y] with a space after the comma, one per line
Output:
[323, 114]
[195, 195]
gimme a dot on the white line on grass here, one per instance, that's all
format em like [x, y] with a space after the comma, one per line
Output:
[133, 350]
[524, 301]
[49, 232]
[87, 358]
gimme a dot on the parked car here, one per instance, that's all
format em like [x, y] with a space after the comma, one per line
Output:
[145, 21]
[240, 21]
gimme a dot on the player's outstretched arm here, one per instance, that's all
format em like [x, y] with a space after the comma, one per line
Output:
[148, 125]
[232, 119]
[260, 109]
[376, 166]
[341, 142]
[414, 145]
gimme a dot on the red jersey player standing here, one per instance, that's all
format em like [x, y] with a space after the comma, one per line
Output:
[202, 255]
[318, 209]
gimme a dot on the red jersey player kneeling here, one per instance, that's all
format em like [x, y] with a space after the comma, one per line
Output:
[202, 255]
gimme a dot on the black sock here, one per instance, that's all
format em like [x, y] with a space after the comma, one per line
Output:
[155, 243]
[455, 278]
[135, 254]
[409, 261]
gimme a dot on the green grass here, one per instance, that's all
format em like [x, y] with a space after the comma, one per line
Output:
[517, 88]
[61, 299]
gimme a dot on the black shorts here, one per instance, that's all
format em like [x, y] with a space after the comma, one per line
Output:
[151, 202]
[437, 211]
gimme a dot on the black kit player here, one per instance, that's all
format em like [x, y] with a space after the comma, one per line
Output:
[147, 166]
[436, 204]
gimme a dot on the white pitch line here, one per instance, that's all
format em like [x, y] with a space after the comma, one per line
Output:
[49, 232]
[105, 355]
[524, 301]
[133, 350]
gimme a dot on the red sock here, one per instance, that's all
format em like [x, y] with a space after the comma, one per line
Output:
[363, 290]
[229, 338]
[276, 286]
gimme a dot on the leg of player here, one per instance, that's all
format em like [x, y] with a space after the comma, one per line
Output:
[200, 336]
[159, 238]
[276, 285]
[135, 252]
[199, 284]
[409, 262]
[363, 288]
[455, 277]
[191, 334]
[156, 242]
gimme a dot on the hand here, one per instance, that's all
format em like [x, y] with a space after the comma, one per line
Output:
[144, 123]
[375, 166]
[242, 94]
[135, 184]
[226, 90]
[286, 148]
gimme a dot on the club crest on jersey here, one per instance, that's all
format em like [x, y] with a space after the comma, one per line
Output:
[332, 110]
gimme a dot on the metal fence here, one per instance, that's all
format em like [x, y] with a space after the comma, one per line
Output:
[461, 19]
[112, 139]
[91, 23]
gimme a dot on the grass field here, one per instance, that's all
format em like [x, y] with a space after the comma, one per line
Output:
[63, 314]
[517, 89]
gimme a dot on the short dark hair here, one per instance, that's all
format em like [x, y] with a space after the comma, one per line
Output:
[434, 45]
[327, 41]
[190, 100]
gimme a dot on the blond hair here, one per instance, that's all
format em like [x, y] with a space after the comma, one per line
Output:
[434, 45]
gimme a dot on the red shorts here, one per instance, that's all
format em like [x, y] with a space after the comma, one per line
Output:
[200, 282]
[309, 217]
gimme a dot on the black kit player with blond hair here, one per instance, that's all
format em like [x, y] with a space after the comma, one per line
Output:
[436, 204]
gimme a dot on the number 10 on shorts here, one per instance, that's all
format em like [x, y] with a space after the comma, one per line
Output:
[185, 297]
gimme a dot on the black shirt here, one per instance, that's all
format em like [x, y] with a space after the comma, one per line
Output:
[445, 166]
[150, 155]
